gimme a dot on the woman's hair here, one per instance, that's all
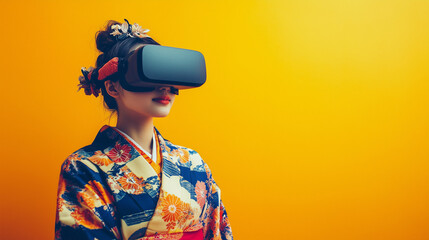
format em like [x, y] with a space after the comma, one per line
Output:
[110, 48]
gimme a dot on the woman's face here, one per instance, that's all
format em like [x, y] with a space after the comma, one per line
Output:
[142, 104]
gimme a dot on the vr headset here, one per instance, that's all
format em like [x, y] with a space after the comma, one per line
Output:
[152, 66]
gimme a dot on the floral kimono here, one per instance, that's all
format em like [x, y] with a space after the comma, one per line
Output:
[111, 189]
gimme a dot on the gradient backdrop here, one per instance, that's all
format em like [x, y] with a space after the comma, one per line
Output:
[314, 118]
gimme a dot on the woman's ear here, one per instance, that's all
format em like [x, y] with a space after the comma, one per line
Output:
[112, 88]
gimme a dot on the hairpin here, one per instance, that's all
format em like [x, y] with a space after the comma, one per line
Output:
[124, 30]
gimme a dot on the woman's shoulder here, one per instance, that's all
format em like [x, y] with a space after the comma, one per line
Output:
[175, 147]
[178, 148]
[82, 153]
[185, 154]
[80, 158]
[172, 147]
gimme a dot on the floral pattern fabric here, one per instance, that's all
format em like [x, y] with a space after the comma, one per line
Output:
[108, 190]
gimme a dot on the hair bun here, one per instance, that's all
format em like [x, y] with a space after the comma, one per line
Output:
[103, 39]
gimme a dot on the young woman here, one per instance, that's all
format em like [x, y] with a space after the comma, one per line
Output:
[132, 183]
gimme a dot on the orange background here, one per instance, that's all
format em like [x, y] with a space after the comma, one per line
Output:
[314, 117]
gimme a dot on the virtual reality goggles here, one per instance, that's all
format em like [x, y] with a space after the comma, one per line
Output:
[153, 66]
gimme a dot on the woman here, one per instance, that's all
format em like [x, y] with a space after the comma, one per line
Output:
[131, 183]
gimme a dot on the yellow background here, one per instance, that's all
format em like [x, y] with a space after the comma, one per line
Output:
[314, 117]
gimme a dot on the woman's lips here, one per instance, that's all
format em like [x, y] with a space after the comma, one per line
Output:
[163, 100]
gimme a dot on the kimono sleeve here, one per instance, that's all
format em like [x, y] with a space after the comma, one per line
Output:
[84, 205]
[216, 224]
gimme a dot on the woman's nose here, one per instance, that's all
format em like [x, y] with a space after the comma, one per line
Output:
[169, 89]
[162, 89]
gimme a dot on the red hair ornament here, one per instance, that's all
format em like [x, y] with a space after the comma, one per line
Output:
[93, 77]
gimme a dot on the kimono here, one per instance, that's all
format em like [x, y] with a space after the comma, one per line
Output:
[111, 189]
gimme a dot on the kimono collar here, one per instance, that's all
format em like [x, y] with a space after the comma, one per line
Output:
[108, 134]
[108, 138]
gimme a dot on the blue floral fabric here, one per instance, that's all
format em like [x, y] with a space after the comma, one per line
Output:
[110, 190]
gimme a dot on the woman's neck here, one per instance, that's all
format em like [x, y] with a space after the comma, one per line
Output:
[140, 130]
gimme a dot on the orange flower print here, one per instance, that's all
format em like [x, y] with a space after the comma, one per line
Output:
[60, 204]
[131, 183]
[61, 190]
[207, 221]
[120, 153]
[67, 166]
[215, 219]
[172, 208]
[87, 198]
[75, 157]
[182, 154]
[193, 226]
[71, 161]
[187, 214]
[175, 152]
[114, 185]
[98, 192]
[106, 197]
[86, 218]
[165, 147]
[100, 159]
[94, 195]
[200, 191]
[214, 187]
[206, 167]
[171, 225]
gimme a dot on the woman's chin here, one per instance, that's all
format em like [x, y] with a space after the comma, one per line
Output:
[160, 114]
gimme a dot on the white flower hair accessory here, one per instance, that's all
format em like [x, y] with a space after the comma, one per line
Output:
[127, 30]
